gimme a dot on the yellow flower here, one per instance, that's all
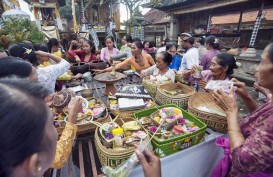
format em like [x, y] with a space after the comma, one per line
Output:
[177, 111]
[157, 119]
[187, 140]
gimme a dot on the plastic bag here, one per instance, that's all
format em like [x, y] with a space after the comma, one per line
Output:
[125, 168]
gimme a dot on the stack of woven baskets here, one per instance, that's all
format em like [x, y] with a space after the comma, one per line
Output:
[152, 87]
[203, 106]
[181, 99]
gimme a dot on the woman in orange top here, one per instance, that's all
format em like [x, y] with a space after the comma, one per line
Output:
[139, 60]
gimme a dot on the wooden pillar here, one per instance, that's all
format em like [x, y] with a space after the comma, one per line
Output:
[240, 22]
[76, 30]
[209, 23]
[174, 27]
[165, 31]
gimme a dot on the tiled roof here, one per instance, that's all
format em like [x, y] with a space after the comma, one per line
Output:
[247, 17]
[155, 16]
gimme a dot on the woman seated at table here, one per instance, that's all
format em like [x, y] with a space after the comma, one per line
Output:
[147, 48]
[221, 68]
[109, 50]
[46, 75]
[176, 61]
[163, 60]
[125, 51]
[29, 141]
[87, 54]
[139, 61]
[250, 139]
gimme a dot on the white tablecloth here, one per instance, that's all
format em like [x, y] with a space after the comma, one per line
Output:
[197, 161]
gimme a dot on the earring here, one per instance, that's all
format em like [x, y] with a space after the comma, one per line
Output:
[39, 169]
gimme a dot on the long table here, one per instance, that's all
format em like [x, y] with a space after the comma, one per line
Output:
[196, 161]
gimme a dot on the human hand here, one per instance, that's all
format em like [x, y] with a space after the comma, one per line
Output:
[98, 57]
[240, 88]
[202, 84]
[226, 101]
[142, 74]
[150, 163]
[98, 71]
[49, 99]
[264, 91]
[187, 73]
[260, 89]
[78, 76]
[193, 69]
[77, 58]
[74, 107]
[74, 42]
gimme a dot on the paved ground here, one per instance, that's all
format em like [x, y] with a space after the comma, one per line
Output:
[242, 108]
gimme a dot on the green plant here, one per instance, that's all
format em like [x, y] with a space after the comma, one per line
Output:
[19, 30]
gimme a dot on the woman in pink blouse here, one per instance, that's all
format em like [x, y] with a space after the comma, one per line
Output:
[249, 149]
[147, 48]
[109, 50]
[221, 68]
[87, 54]
[212, 46]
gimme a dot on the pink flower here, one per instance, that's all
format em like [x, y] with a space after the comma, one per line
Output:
[182, 121]
[153, 129]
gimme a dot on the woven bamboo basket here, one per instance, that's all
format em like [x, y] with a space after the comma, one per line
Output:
[203, 106]
[151, 87]
[110, 157]
[127, 114]
[179, 78]
[179, 100]
[90, 127]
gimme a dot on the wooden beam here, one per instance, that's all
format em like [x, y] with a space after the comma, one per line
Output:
[82, 174]
[92, 158]
[240, 22]
[209, 6]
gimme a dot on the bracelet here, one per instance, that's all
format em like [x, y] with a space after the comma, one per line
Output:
[235, 131]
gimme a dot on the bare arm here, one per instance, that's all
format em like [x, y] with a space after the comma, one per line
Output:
[52, 56]
[151, 60]
[242, 92]
[122, 65]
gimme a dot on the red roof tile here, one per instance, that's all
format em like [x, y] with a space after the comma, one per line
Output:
[247, 17]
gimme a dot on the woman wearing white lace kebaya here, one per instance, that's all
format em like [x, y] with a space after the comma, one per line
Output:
[46, 75]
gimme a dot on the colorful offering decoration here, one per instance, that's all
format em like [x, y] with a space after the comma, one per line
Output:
[120, 138]
[173, 123]
[172, 129]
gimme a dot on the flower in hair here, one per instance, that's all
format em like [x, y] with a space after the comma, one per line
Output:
[28, 51]
[216, 41]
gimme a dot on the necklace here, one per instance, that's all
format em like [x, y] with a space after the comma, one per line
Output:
[139, 61]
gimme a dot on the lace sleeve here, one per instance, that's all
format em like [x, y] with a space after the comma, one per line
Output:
[64, 145]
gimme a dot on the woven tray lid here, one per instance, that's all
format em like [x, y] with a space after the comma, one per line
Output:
[204, 102]
[187, 90]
